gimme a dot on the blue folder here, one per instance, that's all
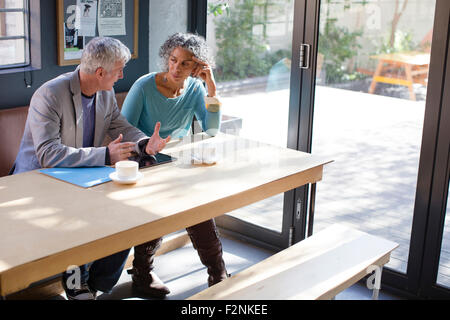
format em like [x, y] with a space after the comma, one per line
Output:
[83, 177]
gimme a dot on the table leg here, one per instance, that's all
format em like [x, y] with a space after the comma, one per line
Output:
[377, 73]
[374, 281]
[312, 204]
[376, 289]
[409, 78]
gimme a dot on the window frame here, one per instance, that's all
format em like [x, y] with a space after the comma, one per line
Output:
[32, 38]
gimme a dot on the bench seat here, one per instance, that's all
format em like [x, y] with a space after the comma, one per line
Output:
[318, 267]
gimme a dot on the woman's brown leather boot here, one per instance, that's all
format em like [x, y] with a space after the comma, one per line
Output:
[205, 239]
[144, 279]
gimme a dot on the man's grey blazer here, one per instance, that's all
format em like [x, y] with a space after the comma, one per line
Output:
[53, 135]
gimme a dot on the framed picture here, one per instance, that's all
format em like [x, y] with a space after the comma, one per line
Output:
[81, 20]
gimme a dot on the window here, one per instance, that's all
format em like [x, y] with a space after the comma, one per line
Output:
[13, 33]
[17, 32]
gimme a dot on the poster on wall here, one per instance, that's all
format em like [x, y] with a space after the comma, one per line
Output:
[86, 17]
[78, 22]
[73, 41]
[111, 18]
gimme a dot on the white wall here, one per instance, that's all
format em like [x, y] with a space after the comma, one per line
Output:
[165, 19]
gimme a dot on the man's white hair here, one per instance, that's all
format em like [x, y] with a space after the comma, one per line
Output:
[103, 52]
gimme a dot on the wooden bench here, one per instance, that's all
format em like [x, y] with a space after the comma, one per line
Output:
[319, 267]
[402, 69]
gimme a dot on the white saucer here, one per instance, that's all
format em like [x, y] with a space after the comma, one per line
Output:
[115, 178]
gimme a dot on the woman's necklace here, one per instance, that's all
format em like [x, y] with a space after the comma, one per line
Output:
[173, 92]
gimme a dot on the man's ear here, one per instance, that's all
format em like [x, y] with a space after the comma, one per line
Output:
[100, 72]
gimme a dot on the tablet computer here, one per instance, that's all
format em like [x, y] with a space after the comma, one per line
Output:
[146, 161]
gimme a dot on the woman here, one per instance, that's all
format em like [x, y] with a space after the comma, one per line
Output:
[173, 97]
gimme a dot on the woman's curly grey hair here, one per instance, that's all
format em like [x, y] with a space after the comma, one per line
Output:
[192, 42]
[103, 52]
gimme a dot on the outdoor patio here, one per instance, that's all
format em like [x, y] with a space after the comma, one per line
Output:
[375, 141]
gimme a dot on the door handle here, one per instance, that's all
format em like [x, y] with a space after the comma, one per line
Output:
[304, 56]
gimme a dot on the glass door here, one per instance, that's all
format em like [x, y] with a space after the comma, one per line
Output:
[435, 274]
[371, 86]
[443, 275]
[252, 46]
[378, 97]
[435, 268]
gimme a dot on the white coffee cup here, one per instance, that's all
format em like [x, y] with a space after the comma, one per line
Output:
[126, 169]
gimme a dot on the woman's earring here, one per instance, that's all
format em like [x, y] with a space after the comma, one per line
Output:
[164, 79]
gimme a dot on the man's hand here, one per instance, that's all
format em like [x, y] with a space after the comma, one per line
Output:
[156, 143]
[120, 150]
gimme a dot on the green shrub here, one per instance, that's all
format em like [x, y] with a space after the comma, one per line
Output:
[242, 54]
[338, 45]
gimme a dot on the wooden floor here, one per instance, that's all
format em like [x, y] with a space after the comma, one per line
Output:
[375, 142]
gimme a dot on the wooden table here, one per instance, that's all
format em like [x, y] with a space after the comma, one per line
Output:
[47, 225]
[401, 69]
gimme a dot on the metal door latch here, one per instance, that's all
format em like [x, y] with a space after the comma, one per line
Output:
[298, 210]
[304, 56]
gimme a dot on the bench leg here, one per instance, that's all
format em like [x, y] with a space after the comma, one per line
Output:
[410, 79]
[377, 73]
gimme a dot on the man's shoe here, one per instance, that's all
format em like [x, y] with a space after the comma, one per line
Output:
[83, 293]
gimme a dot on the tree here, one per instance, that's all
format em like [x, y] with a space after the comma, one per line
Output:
[396, 19]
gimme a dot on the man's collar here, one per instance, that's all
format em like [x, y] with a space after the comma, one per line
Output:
[75, 87]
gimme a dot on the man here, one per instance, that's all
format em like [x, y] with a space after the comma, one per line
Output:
[67, 122]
